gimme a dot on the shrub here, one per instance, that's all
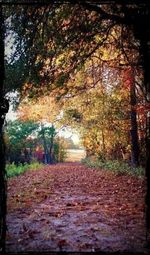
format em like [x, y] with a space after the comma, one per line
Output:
[118, 167]
[59, 153]
[13, 170]
[35, 166]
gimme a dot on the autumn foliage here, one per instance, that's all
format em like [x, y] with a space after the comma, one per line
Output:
[69, 207]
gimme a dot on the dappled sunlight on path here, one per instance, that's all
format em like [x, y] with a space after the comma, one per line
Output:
[69, 207]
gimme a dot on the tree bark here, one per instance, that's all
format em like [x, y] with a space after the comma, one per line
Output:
[46, 154]
[134, 126]
[3, 110]
[144, 37]
[51, 149]
[145, 50]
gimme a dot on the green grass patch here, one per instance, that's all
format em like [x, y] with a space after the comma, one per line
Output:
[13, 170]
[116, 166]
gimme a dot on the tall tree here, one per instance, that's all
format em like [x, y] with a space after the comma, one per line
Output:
[43, 111]
[16, 135]
[3, 110]
[48, 134]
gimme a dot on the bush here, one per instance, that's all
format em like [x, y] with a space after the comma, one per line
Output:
[59, 153]
[13, 170]
[116, 166]
[35, 166]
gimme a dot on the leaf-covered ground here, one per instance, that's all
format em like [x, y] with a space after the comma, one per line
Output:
[69, 207]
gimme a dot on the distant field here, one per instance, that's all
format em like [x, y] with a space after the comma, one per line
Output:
[75, 155]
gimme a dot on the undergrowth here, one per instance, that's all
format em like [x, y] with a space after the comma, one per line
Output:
[118, 167]
[13, 170]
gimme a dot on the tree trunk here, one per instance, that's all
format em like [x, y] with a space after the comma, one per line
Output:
[103, 126]
[3, 109]
[46, 154]
[145, 50]
[144, 37]
[51, 148]
[103, 144]
[51, 151]
[134, 126]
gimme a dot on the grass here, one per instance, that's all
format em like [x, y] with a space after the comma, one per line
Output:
[13, 170]
[116, 166]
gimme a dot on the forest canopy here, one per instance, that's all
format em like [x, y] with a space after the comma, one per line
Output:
[85, 53]
[53, 42]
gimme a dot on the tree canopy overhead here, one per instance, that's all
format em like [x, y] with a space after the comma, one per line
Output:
[53, 41]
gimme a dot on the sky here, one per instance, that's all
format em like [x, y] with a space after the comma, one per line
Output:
[11, 115]
[68, 133]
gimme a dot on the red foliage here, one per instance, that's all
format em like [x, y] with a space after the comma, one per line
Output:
[127, 77]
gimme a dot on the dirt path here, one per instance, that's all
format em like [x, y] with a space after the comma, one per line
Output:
[70, 207]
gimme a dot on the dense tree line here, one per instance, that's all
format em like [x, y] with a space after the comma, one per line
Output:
[27, 141]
